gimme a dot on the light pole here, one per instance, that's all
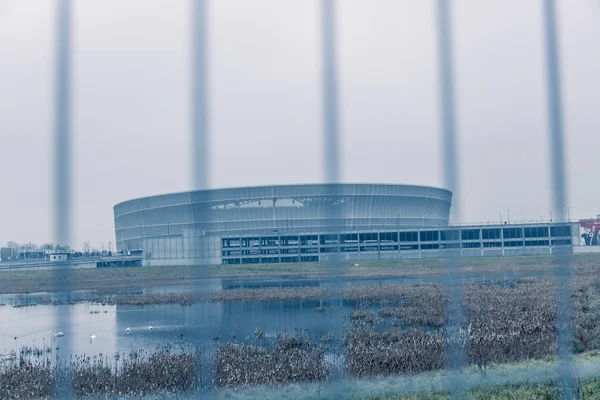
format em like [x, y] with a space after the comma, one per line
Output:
[550, 216]
[568, 214]
[508, 211]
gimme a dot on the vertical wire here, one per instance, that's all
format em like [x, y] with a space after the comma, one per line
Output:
[450, 171]
[455, 313]
[200, 164]
[330, 96]
[62, 180]
[562, 271]
[332, 206]
[62, 129]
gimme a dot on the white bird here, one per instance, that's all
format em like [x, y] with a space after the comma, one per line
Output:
[150, 327]
[127, 330]
[92, 337]
[58, 334]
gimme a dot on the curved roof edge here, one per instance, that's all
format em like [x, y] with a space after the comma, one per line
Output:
[284, 185]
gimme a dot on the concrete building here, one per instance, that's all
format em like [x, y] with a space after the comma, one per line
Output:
[316, 223]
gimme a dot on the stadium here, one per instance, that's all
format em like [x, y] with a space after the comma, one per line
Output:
[316, 223]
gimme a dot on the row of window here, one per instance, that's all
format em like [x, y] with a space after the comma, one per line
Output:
[270, 260]
[427, 246]
[395, 237]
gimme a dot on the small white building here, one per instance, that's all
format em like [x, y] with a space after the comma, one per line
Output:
[58, 255]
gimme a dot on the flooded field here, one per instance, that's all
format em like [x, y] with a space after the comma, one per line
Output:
[316, 329]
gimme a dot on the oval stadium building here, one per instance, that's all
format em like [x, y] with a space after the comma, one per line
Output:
[293, 223]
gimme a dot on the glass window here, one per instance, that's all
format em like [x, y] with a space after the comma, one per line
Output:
[492, 244]
[561, 242]
[536, 232]
[517, 243]
[470, 234]
[388, 237]
[560, 231]
[513, 233]
[368, 237]
[349, 238]
[409, 246]
[450, 245]
[329, 239]
[537, 243]
[450, 235]
[429, 236]
[409, 237]
[490, 233]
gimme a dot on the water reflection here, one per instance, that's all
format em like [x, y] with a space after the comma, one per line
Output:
[199, 323]
[34, 327]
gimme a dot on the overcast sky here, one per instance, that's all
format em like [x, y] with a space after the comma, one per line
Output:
[131, 92]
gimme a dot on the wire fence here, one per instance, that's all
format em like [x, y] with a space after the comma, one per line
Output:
[459, 381]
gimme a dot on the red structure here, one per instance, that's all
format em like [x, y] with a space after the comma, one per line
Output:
[590, 223]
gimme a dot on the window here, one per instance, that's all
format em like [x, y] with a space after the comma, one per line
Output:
[290, 251]
[450, 245]
[388, 237]
[250, 242]
[490, 233]
[409, 247]
[513, 233]
[289, 241]
[429, 236]
[231, 243]
[518, 243]
[389, 248]
[349, 238]
[536, 232]
[368, 237]
[329, 249]
[270, 241]
[369, 248]
[309, 240]
[560, 231]
[329, 239]
[409, 237]
[470, 234]
[472, 245]
[492, 244]
[450, 235]
[561, 242]
[430, 246]
[537, 243]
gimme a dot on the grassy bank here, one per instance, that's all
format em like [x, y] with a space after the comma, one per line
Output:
[122, 279]
[293, 367]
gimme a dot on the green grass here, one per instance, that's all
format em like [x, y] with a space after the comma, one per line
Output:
[589, 390]
[29, 281]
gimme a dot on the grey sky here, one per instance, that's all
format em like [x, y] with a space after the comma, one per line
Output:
[131, 102]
